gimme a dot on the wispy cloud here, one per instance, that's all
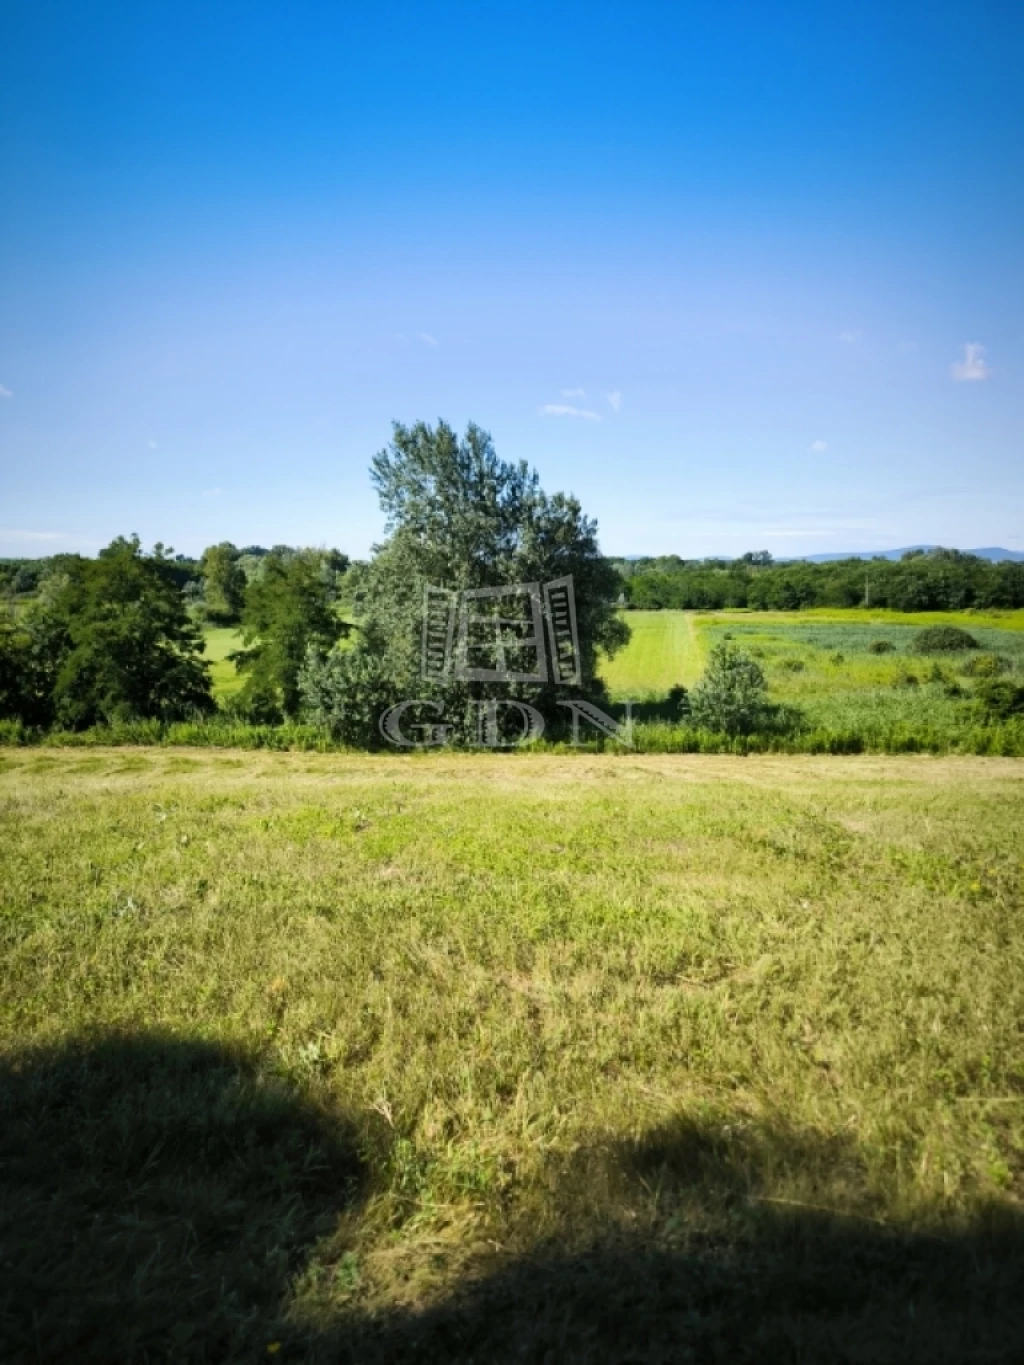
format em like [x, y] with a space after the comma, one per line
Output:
[151, 443]
[850, 337]
[973, 364]
[615, 399]
[566, 410]
[212, 492]
[574, 393]
[819, 447]
[428, 340]
[5, 392]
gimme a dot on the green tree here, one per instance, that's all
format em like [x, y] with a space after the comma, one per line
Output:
[458, 517]
[288, 609]
[26, 677]
[732, 696]
[118, 638]
[223, 582]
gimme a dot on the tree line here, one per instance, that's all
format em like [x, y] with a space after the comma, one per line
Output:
[922, 580]
[120, 637]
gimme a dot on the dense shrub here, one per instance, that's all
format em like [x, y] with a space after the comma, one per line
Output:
[943, 640]
[732, 696]
[677, 703]
[986, 666]
[347, 693]
[1000, 698]
[881, 647]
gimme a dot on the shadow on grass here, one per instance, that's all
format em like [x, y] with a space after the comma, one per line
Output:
[676, 1255]
[158, 1197]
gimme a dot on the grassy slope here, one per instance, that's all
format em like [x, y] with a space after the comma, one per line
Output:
[653, 1053]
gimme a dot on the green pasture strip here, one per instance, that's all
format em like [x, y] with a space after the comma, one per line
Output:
[662, 653]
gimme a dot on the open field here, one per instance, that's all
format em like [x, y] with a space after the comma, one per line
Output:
[512, 1057]
[670, 647]
[823, 663]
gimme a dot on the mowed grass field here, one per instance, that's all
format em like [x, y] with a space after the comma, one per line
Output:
[662, 653]
[449, 1057]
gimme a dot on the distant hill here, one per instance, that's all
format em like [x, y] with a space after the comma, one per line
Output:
[995, 553]
[991, 552]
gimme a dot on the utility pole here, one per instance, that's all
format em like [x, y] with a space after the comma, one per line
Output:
[867, 588]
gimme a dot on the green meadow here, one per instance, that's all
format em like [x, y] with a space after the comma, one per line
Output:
[342, 1058]
[824, 663]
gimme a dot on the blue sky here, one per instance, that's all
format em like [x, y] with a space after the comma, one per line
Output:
[739, 276]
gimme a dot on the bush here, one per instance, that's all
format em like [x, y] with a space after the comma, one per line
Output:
[986, 666]
[678, 703]
[943, 640]
[881, 647]
[904, 678]
[1000, 698]
[347, 693]
[731, 698]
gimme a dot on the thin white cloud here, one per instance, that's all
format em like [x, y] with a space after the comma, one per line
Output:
[212, 492]
[819, 447]
[428, 340]
[574, 393]
[973, 364]
[565, 410]
[5, 392]
[615, 399]
[851, 338]
[151, 443]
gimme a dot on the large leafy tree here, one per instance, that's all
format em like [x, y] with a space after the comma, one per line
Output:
[288, 610]
[119, 640]
[223, 581]
[459, 517]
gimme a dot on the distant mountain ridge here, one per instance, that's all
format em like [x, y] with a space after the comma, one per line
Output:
[995, 553]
